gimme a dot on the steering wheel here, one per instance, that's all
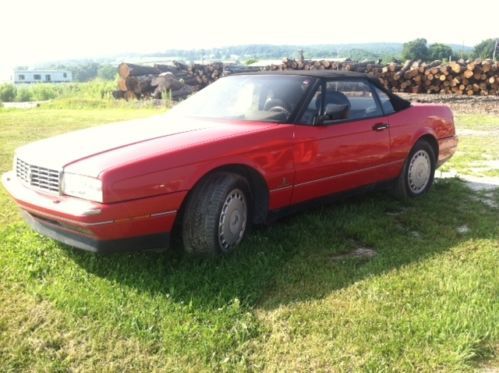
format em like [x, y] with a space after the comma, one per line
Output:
[277, 106]
[279, 109]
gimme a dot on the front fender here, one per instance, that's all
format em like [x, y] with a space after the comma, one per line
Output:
[275, 167]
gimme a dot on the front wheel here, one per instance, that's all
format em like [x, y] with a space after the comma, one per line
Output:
[216, 216]
[418, 172]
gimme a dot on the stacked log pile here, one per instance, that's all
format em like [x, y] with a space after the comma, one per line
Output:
[180, 80]
[475, 77]
[348, 65]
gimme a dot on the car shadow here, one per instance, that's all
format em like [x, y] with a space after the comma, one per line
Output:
[296, 259]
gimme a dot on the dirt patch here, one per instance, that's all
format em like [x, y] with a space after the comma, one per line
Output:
[479, 133]
[463, 229]
[22, 105]
[480, 183]
[460, 104]
[475, 183]
[483, 186]
[360, 253]
[487, 198]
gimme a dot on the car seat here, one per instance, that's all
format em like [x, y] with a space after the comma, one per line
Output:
[336, 98]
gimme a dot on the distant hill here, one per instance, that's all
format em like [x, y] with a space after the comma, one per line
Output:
[355, 51]
[266, 51]
[458, 48]
[242, 53]
[86, 69]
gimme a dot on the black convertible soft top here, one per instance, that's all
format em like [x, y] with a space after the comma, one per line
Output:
[398, 102]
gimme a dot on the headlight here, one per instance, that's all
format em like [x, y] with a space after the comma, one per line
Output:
[82, 186]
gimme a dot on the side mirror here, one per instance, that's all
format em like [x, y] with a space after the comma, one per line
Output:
[334, 112]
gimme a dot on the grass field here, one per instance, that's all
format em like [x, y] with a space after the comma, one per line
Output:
[478, 152]
[427, 301]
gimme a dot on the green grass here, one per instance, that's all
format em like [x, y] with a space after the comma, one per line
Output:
[96, 89]
[476, 156]
[477, 121]
[428, 301]
[478, 150]
[18, 127]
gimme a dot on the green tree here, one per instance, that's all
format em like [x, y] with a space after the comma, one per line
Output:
[84, 72]
[485, 49]
[107, 72]
[415, 50]
[250, 61]
[24, 94]
[439, 51]
[7, 92]
[217, 55]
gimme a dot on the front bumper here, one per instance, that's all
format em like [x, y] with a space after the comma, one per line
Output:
[143, 223]
[74, 239]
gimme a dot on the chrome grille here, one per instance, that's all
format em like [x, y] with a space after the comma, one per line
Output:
[36, 176]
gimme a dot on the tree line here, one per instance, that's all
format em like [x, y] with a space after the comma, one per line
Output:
[419, 49]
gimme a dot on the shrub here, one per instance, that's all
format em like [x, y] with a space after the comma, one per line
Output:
[250, 61]
[7, 92]
[24, 94]
[42, 92]
[94, 90]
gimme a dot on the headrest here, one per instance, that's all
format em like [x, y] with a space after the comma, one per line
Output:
[334, 97]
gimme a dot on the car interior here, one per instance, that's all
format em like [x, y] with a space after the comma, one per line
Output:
[356, 95]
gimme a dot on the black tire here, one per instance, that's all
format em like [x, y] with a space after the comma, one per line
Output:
[207, 220]
[418, 172]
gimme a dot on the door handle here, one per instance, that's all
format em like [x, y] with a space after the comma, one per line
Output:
[380, 126]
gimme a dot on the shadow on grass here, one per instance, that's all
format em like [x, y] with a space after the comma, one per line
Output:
[292, 260]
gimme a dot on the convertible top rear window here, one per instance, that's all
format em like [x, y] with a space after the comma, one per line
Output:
[398, 103]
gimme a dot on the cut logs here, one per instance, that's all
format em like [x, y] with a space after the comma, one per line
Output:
[176, 81]
[179, 80]
[475, 77]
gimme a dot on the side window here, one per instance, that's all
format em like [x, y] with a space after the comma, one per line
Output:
[312, 111]
[357, 94]
[385, 101]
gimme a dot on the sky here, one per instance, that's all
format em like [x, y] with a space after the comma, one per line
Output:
[35, 31]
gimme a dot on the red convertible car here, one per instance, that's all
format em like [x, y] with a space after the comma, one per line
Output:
[242, 150]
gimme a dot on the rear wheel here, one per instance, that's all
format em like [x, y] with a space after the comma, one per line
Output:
[418, 172]
[216, 216]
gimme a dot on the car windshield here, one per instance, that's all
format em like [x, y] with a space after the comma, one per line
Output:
[267, 98]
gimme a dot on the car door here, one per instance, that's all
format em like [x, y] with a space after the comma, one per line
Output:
[342, 154]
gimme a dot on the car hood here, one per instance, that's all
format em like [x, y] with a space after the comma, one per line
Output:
[60, 151]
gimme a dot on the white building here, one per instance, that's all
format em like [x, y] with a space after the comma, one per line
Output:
[41, 76]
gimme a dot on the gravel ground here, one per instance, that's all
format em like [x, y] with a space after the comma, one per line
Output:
[460, 104]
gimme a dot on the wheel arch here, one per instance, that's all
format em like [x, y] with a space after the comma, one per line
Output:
[258, 188]
[432, 140]
[400, 186]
